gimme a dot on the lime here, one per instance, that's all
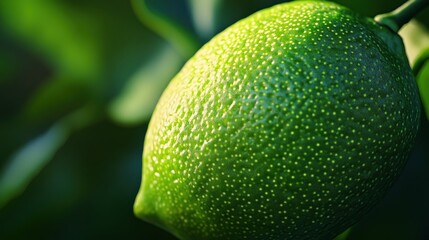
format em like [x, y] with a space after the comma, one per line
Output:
[291, 124]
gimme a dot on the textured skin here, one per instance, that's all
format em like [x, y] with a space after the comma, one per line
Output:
[291, 124]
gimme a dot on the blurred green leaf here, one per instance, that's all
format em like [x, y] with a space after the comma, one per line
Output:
[8, 67]
[371, 8]
[54, 99]
[204, 15]
[65, 36]
[137, 100]
[81, 40]
[416, 38]
[421, 61]
[344, 235]
[423, 83]
[28, 161]
[90, 54]
[184, 41]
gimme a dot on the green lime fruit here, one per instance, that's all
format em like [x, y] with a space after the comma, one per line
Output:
[290, 124]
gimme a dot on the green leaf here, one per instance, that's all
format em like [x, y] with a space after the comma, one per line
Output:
[416, 39]
[423, 83]
[63, 35]
[54, 99]
[182, 40]
[8, 67]
[28, 161]
[137, 100]
[204, 15]
[90, 53]
[344, 235]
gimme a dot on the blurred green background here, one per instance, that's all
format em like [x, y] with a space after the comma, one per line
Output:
[78, 83]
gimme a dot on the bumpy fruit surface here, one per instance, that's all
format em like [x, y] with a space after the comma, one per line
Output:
[290, 124]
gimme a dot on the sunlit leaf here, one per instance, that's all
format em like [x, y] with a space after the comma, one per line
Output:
[28, 161]
[142, 91]
[416, 39]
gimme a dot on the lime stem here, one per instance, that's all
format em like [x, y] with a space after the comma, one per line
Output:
[402, 15]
